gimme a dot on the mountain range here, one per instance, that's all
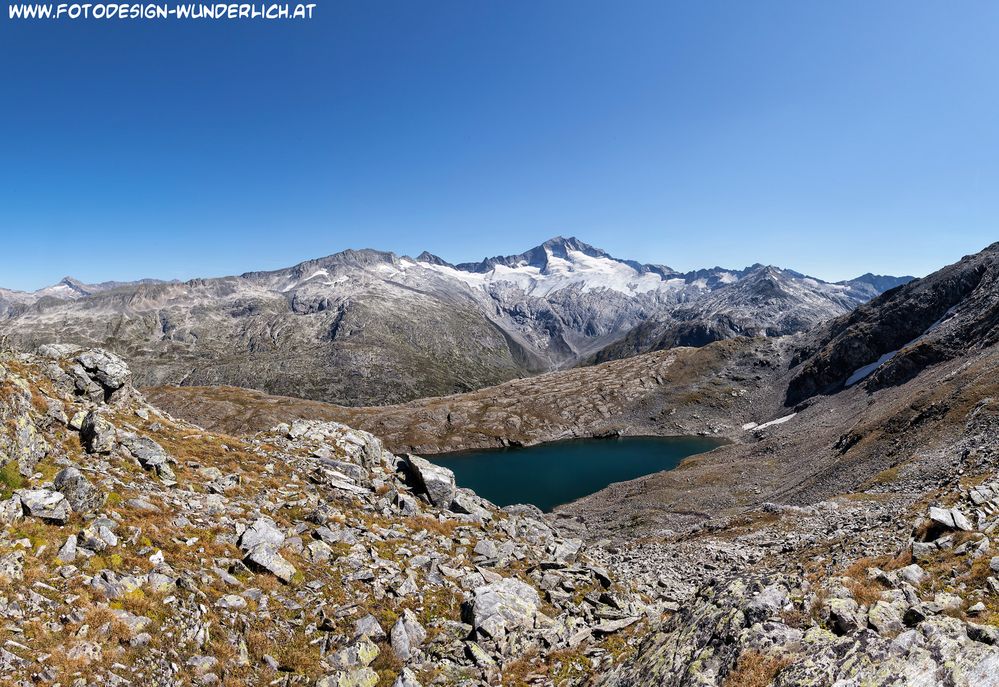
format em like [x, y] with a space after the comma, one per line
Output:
[368, 327]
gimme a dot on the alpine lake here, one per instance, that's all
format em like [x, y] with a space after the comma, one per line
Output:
[548, 475]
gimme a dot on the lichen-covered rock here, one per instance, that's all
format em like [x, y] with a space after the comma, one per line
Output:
[266, 557]
[45, 504]
[503, 606]
[98, 434]
[843, 615]
[407, 635]
[108, 370]
[885, 618]
[767, 604]
[82, 495]
[362, 652]
[356, 677]
[263, 530]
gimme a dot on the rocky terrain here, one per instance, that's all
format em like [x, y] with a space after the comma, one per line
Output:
[138, 549]
[676, 392]
[845, 537]
[371, 328]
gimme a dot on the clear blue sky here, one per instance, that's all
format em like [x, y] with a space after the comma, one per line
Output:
[834, 138]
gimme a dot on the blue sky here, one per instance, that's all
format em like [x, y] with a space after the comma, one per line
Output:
[834, 138]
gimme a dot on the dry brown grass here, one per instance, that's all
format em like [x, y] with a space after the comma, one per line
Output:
[424, 522]
[754, 669]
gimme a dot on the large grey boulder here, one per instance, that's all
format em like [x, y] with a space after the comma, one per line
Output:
[407, 635]
[67, 554]
[263, 530]
[83, 496]
[266, 557]
[843, 616]
[503, 606]
[107, 369]
[150, 455]
[45, 504]
[433, 480]
[885, 619]
[913, 574]
[952, 519]
[97, 433]
[261, 541]
[767, 604]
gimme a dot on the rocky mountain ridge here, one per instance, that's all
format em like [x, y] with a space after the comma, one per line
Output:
[369, 327]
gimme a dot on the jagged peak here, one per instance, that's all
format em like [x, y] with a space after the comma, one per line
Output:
[429, 257]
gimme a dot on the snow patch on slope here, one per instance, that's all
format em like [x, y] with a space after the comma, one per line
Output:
[578, 269]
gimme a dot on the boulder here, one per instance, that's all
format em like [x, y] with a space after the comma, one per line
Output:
[951, 518]
[107, 369]
[468, 502]
[67, 554]
[357, 677]
[263, 530]
[150, 455]
[98, 536]
[843, 616]
[767, 604]
[913, 574]
[83, 496]
[266, 557]
[502, 606]
[358, 654]
[406, 679]
[611, 626]
[433, 480]
[202, 664]
[85, 653]
[11, 510]
[885, 619]
[368, 626]
[566, 550]
[97, 433]
[45, 504]
[12, 566]
[407, 635]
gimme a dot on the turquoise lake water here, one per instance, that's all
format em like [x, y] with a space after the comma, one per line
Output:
[552, 474]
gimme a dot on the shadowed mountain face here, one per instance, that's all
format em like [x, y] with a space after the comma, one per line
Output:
[891, 339]
[369, 327]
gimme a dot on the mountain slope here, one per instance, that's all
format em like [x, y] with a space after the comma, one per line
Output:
[768, 301]
[947, 314]
[137, 549]
[367, 327]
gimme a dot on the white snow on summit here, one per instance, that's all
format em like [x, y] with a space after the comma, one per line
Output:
[589, 272]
